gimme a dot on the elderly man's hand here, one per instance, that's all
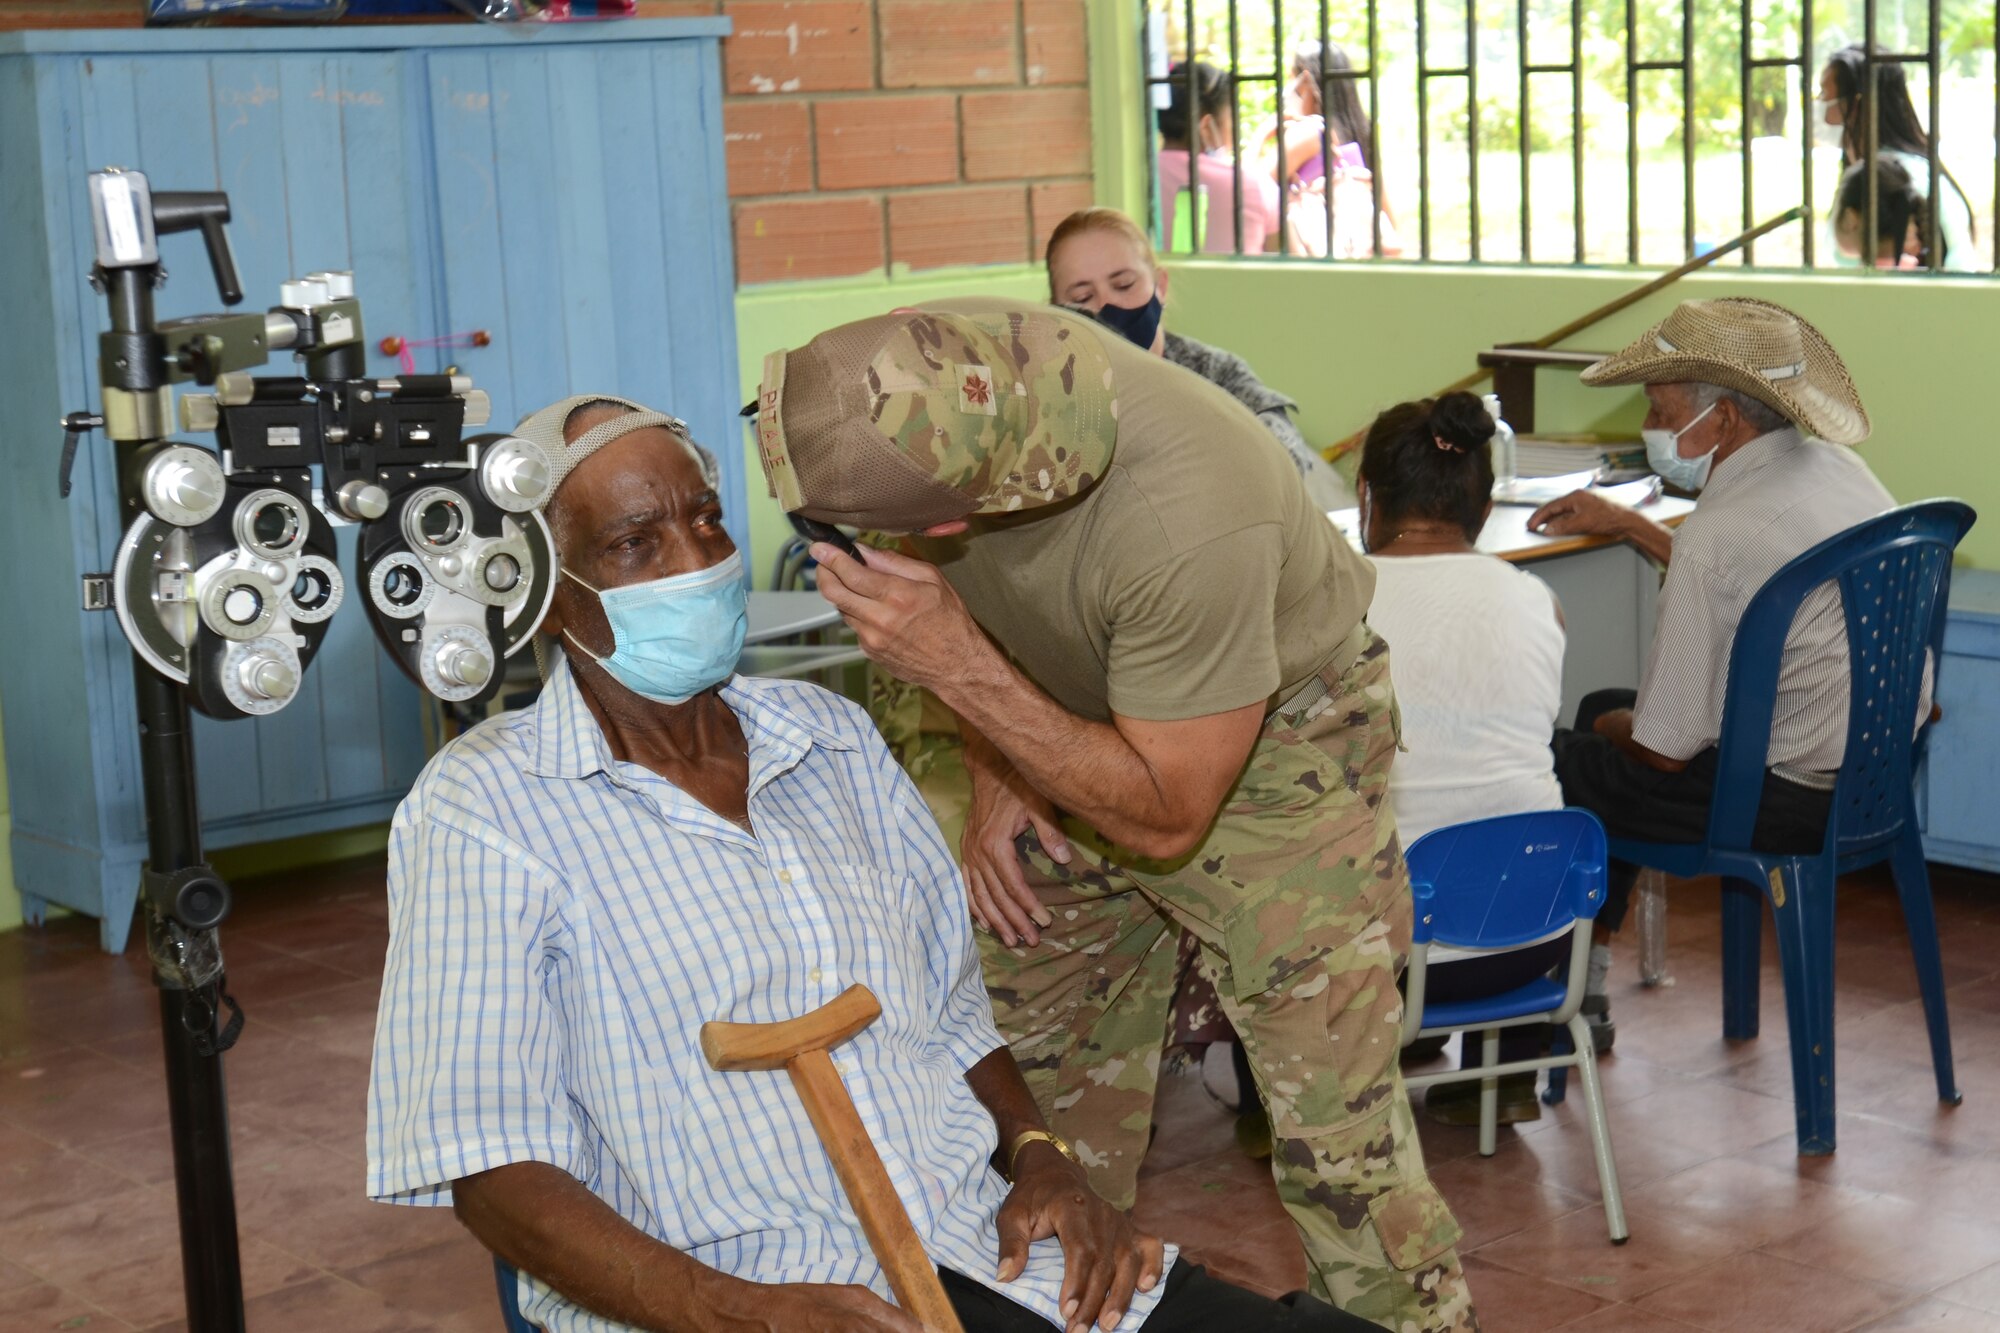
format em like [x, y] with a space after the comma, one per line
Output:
[1581, 514]
[907, 619]
[1105, 1257]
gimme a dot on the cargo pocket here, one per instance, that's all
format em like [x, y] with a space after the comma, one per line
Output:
[1414, 1223]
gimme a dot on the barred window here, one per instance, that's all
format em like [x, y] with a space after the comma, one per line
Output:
[1577, 131]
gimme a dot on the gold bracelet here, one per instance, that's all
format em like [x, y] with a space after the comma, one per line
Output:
[1027, 1137]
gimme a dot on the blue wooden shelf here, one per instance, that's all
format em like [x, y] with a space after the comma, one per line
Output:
[1962, 769]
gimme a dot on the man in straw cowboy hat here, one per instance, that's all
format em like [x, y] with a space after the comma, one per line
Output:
[1180, 722]
[1750, 406]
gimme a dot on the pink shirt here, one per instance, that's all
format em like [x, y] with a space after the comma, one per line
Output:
[1218, 177]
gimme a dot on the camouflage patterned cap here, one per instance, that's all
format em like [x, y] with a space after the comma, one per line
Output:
[927, 415]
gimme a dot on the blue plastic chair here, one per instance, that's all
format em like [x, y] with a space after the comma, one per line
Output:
[510, 1303]
[1894, 573]
[1499, 884]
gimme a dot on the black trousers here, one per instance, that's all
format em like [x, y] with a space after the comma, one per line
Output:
[1495, 974]
[1193, 1302]
[1636, 800]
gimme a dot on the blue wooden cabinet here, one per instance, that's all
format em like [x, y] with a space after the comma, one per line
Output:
[560, 187]
[1960, 808]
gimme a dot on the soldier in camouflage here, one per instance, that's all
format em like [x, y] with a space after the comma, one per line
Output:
[1175, 719]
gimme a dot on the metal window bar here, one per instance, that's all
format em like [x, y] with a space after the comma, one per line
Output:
[1749, 63]
[1873, 59]
[1469, 71]
[1684, 66]
[1528, 69]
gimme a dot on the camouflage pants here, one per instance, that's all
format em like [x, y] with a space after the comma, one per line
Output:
[1301, 904]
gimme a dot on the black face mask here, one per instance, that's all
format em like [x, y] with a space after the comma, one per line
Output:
[1139, 325]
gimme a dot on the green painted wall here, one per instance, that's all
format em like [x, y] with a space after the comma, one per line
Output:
[1349, 340]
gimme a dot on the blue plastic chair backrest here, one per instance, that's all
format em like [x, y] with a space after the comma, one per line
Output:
[1894, 573]
[1506, 881]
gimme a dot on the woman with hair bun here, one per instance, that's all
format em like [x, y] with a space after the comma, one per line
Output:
[1479, 651]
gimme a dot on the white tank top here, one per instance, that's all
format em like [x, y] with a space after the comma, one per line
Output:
[1475, 653]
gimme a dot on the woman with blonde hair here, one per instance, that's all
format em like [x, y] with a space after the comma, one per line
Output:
[1100, 260]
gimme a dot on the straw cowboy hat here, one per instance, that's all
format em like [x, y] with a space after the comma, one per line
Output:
[1755, 347]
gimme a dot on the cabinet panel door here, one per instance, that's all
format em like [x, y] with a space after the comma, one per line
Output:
[323, 167]
[578, 195]
[1963, 768]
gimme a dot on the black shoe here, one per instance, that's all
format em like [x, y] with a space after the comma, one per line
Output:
[1458, 1103]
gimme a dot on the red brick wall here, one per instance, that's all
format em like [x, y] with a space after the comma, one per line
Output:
[869, 133]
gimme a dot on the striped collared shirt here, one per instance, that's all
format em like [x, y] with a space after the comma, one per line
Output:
[1772, 500]
[562, 923]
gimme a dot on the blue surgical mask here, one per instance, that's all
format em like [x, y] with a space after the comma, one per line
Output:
[1139, 324]
[1663, 452]
[675, 636]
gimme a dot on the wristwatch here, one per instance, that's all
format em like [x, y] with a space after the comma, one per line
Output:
[1027, 1137]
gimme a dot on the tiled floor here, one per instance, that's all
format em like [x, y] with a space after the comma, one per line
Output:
[1730, 1230]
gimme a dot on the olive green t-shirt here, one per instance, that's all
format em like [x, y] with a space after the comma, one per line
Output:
[1194, 578]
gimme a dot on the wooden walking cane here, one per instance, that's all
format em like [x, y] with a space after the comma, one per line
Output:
[799, 1046]
[1605, 311]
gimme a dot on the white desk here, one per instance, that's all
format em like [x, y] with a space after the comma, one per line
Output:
[779, 615]
[1609, 592]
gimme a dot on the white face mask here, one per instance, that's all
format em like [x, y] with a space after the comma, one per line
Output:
[1663, 453]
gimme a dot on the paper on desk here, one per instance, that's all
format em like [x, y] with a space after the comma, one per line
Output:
[1541, 490]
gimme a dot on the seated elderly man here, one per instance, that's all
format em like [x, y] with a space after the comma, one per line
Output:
[577, 887]
[1750, 406]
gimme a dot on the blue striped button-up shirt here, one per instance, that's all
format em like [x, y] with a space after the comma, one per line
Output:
[562, 923]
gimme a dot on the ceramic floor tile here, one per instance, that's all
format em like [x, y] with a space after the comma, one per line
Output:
[1490, 1204]
[1574, 1251]
[1933, 1316]
[81, 1097]
[147, 1155]
[1981, 1291]
[1202, 1201]
[36, 1175]
[1510, 1302]
[1909, 1245]
[339, 1019]
[443, 1281]
[1266, 1257]
[1624, 1319]
[1756, 1204]
[1564, 1157]
[1873, 1156]
[1757, 1291]
[328, 1305]
[1713, 1117]
[310, 1203]
[40, 1308]
[122, 1252]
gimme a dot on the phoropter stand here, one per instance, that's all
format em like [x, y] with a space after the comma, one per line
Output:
[227, 577]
